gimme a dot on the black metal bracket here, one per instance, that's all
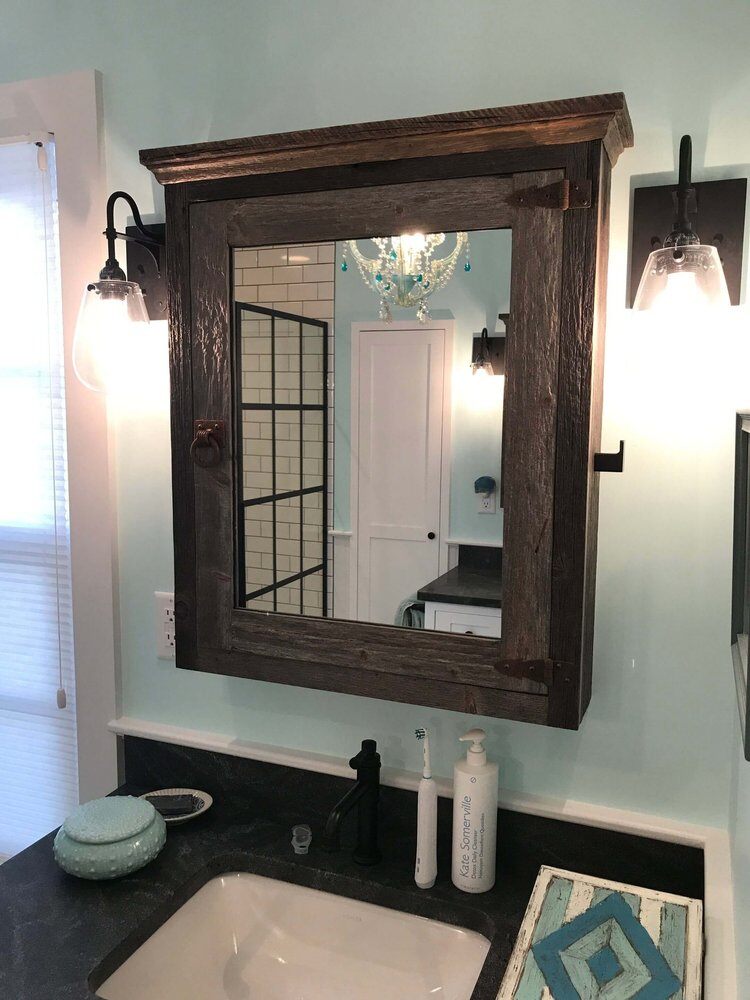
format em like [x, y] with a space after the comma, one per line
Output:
[543, 671]
[145, 265]
[531, 670]
[561, 195]
[610, 461]
[147, 260]
[112, 269]
[488, 351]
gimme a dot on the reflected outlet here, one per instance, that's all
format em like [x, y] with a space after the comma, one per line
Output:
[486, 503]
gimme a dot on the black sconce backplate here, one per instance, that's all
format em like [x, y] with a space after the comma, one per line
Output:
[718, 217]
[143, 268]
[496, 347]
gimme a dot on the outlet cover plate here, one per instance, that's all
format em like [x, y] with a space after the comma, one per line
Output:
[164, 625]
[487, 503]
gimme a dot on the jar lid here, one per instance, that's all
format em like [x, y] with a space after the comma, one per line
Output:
[105, 821]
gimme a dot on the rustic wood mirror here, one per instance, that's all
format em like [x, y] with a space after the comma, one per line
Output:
[353, 511]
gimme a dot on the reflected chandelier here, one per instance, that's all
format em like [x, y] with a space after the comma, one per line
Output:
[406, 271]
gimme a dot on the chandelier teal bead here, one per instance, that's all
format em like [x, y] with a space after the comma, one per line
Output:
[406, 268]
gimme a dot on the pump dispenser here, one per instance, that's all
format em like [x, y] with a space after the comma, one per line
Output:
[474, 817]
[476, 755]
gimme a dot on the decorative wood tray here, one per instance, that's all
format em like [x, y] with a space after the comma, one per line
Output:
[586, 938]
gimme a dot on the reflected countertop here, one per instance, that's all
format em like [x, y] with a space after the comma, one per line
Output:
[464, 585]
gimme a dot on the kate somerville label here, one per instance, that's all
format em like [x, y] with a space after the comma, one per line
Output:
[471, 846]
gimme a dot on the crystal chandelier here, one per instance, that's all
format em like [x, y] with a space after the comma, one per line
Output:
[406, 271]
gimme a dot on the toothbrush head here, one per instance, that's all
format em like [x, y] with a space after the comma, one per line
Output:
[422, 736]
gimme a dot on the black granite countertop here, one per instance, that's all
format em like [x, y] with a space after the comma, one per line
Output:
[462, 585]
[61, 937]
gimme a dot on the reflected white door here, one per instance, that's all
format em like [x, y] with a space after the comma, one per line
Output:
[399, 395]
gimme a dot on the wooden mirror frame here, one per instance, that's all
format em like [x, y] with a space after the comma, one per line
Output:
[542, 170]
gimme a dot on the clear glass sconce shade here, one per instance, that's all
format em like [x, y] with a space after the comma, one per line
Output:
[111, 323]
[682, 278]
[482, 369]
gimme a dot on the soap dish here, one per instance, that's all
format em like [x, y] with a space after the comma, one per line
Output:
[202, 802]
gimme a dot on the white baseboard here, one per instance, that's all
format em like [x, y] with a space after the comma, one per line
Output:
[720, 970]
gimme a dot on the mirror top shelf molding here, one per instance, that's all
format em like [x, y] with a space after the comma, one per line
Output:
[602, 117]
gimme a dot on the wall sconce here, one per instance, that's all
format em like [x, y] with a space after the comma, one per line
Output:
[114, 311]
[680, 271]
[488, 353]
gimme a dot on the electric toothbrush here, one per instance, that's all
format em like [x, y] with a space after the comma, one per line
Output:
[425, 869]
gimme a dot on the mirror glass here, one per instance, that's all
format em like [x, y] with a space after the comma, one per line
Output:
[369, 380]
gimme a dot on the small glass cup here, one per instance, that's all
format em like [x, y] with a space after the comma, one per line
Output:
[301, 838]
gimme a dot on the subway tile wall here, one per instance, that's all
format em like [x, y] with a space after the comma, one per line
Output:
[297, 280]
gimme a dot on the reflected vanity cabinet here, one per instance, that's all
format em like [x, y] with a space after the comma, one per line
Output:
[538, 173]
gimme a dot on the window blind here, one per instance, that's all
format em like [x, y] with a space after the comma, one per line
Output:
[38, 752]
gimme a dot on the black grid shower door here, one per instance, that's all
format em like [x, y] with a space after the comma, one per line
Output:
[281, 405]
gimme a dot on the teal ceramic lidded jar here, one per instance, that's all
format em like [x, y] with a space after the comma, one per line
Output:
[109, 838]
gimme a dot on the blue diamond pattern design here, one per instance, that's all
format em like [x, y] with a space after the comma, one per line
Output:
[604, 965]
[604, 951]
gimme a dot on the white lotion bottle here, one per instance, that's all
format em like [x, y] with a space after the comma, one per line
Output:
[474, 817]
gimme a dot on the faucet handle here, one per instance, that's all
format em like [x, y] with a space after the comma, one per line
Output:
[368, 756]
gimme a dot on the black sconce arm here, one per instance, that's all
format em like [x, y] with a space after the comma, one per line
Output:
[683, 233]
[112, 269]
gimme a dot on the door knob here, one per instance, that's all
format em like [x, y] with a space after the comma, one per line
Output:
[430, 535]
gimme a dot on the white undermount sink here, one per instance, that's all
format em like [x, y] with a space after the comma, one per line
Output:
[246, 937]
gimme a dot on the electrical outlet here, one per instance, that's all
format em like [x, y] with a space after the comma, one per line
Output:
[487, 503]
[164, 622]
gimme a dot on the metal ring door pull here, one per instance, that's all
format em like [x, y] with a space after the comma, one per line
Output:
[205, 450]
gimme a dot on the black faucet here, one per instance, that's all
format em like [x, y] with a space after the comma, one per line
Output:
[364, 795]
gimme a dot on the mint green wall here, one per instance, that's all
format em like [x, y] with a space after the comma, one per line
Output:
[473, 301]
[739, 829]
[657, 735]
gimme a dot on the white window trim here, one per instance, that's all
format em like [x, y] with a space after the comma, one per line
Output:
[69, 106]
